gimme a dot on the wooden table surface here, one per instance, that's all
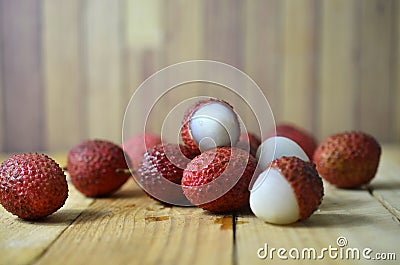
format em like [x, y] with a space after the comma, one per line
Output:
[131, 228]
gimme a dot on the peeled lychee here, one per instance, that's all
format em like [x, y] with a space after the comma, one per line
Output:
[160, 172]
[249, 142]
[96, 167]
[210, 123]
[32, 186]
[137, 145]
[276, 147]
[348, 159]
[218, 179]
[303, 138]
[289, 190]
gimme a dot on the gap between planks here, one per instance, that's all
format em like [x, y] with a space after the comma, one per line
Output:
[393, 210]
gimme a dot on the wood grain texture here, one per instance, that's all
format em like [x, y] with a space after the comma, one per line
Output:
[396, 73]
[131, 228]
[300, 51]
[375, 115]
[223, 39]
[338, 80]
[184, 24]
[2, 105]
[328, 66]
[23, 242]
[353, 214]
[103, 69]
[223, 35]
[263, 49]
[64, 94]
[144, 43]
[22, 76]
[385, 186]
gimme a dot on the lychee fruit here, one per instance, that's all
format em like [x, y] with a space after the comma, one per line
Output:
[32, 185]
[137, 145]
[210, 123]
[218, 179]
[249, 142]
[276, 147]
[96, 167]
[289, 190]
[348, 159]
[160, 172]
[303, 138]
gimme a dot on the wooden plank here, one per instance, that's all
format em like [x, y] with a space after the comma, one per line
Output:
[144, 41]
[184, 41]
[132, 228]
[223, 33]
[300, 56]
[184, 26]
[353, 214]
[385, 186]
[263, 50]
[396, 72]
[376, 24]
[224, 39]
[21, 66]
[63, 74]
[2, 108]
[23, 242]
[103, 68]
[338, 72]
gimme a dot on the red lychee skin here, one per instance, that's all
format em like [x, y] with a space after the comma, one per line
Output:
[304, 139]
[95, 167]
[304, 180]
[32, 186]
[249, 141]
[137, 145]
[348, 159]
[211, 167]
[185, 130]
[164, 162]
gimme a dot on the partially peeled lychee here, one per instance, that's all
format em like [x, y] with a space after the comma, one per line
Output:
[302, 137]
[210, 123]
[276, 147]
[289, 190]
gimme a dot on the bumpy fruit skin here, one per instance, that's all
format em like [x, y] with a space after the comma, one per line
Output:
[348, 159]
[162, 164]
[306, 141]
[137, 145]
[185, 129]
[249, 141]
[95, 167]
[32, 186]
[209, 173]
[304, 180]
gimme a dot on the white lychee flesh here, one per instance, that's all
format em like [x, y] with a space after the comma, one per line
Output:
[272, 199]
[217, 123]
[276, 147]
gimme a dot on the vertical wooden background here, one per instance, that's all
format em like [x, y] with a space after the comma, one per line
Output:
[69, 67]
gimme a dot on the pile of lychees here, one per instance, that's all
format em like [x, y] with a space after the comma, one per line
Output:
[219, 167]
